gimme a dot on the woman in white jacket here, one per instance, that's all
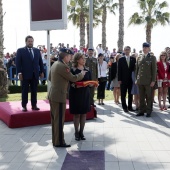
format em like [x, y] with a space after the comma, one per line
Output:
[102, 78]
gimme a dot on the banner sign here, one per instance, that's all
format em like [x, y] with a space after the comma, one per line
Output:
[48, 14]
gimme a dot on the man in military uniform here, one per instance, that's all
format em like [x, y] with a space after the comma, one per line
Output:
[70, 64]
[59, 77]
[145, 78]
[91, 63]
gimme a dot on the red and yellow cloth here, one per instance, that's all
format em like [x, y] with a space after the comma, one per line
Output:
[86, 83]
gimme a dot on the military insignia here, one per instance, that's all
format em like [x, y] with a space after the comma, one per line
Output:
[67, 70]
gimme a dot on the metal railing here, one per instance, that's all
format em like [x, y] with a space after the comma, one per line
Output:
[14, 77]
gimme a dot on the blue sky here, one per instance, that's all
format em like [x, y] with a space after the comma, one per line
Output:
[17, 26]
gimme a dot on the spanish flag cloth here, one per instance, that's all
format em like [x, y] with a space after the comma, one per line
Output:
[86, 83]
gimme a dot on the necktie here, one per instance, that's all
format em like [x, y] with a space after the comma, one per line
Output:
[31, 55]
[127, 61]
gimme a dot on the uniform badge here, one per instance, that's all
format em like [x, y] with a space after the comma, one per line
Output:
[67, 70]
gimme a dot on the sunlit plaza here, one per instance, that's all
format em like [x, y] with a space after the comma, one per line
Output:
[128, 143]
[119, 138]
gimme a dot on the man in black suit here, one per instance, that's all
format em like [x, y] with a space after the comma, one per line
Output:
[29, 67]
[126, 66]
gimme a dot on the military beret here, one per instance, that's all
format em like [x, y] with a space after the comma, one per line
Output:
[145, 44]
[90, 49]
[66, 50]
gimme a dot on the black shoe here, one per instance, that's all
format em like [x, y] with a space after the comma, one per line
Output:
[82, 136]
[77, 136]
[24, 109]
[131, 109]
[99, 103]
[35, 108]
[148, 115]
[62, 145]
[125, 110]
[102, 103]
[140, 114]
[168, 106]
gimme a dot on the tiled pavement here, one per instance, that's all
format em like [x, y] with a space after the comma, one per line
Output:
[130, 143]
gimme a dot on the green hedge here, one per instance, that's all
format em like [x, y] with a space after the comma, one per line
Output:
[17, 89]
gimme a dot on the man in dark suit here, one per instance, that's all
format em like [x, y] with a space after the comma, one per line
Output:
[29, 67]
[126, 66]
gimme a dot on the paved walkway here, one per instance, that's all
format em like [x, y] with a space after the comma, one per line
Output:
[129, 142]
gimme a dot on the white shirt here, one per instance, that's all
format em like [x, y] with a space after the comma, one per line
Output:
[44, 61]
[81, 51]
[127, 58]
[102, 69]
[5, 62]
[99, 50]
[107, 53]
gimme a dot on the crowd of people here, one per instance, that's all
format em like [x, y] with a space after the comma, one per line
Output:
[9, 58]
[125, 72]
[137, 75]
[105, 69]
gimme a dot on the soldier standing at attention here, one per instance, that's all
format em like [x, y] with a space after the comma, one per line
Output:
[145, 78]
[59, 77]
[91, 63]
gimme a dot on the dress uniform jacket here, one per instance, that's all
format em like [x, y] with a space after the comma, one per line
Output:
[92, 65]
[146, 69]
[59, 77]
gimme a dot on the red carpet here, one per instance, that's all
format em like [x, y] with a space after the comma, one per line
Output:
[11, 114]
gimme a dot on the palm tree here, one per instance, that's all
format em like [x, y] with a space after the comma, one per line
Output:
[152, 13]
[78, 10]
[105, 6]
[3, 75]
[120, 42]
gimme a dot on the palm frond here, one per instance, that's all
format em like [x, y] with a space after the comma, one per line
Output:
[163, 18]
[136, 19]
[142, 4]
[163, 5]
[113, 7]
[151, 13]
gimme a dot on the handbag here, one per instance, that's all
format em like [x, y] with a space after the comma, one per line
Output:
[155, 86]
[103, 79]
[165, 84]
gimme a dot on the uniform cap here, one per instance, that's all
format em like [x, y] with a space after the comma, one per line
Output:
[66, 50]
[145, 44]
[90, 49]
